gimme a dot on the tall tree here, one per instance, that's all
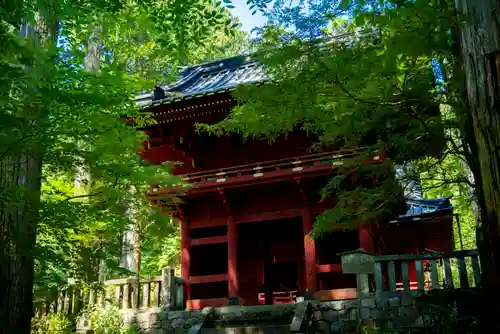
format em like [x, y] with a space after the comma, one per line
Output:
[50, 104]
[479, 40]
[21, 161]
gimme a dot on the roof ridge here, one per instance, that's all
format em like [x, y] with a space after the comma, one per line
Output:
[245, 56]
[183, 79]
[218, 76]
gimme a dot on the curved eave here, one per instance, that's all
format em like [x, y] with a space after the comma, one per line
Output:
[423, 216]
[171, 101]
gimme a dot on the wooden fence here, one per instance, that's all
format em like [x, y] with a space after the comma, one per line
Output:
[458, 269]
[126, 293]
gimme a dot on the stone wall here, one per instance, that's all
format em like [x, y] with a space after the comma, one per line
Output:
[328, 317]
[154, 321]
[390, 311]
[398, 311]
[158, 320]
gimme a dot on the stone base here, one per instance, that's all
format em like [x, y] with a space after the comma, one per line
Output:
[389, 311]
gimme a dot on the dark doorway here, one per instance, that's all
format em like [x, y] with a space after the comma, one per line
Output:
[271, 257]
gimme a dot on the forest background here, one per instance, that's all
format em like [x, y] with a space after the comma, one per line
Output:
[71, 181]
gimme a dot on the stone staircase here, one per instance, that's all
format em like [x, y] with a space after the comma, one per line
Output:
[272, 319]
[277, 329]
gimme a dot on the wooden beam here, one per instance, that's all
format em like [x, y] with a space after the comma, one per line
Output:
[232, 256]
[329, 268]
[209, 241]
[336, 294]
[208, 279]
[186, 255]
[250, 218]
[207, 223]
[202, 188]
[198, 304]
[263, 216]
[309, 251]
[232, 249]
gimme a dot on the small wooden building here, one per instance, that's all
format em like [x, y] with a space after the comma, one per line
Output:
[246, 217]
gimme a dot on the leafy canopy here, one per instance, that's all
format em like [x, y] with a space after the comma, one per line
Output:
[367, 82]
[80, 118]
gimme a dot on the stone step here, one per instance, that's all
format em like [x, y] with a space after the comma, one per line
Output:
[279, 329]
[250, 322]
[253, 313]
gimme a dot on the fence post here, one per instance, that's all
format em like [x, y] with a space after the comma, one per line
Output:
[168, 285]
[92, 298]
[67, 300]
[126, 295]
[363, 285]
[135, 292]
[60, 301]
[75, 306]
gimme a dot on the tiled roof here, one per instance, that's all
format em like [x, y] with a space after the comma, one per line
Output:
[206, 79]
[419, 208]
[223, 76]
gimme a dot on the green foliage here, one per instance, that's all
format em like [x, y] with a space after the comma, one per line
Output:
[364, 194]
[372, 88]
[450, 177]
[253, 5]
[54, 323]
[49, 101]
[107, 319]
[159, 252]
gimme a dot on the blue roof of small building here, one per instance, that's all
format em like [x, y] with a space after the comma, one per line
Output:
[206, 79]
[420, 208]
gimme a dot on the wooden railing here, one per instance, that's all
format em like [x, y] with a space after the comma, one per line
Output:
[458, 269]
[285, 297]
[125, 293]
[312, 162]
[259, 169]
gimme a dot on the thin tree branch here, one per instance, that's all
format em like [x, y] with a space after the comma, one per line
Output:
[447, 182]
[89, 195]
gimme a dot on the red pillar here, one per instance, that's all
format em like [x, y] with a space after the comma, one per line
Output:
[186, 257]
[310, 251]
[232, 257]
[365, 239]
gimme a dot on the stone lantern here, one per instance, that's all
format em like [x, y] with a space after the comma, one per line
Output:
[362, 264]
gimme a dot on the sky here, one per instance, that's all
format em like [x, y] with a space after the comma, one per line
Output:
[249, 21]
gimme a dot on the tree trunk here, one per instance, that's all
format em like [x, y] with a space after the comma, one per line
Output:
[92, 64]
[131, 250]
[92, 61]
[21, 174]
[20, 184]
[480, 57]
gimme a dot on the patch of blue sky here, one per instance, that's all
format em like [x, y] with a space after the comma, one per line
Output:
[304, 18]
[249, 21]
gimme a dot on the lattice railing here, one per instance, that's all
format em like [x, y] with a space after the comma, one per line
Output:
[296, 165]
[125, 293]
[433, 271]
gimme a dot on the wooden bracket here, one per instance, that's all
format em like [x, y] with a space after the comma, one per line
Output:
[225, 201]
[181, 212]
[303, 194]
